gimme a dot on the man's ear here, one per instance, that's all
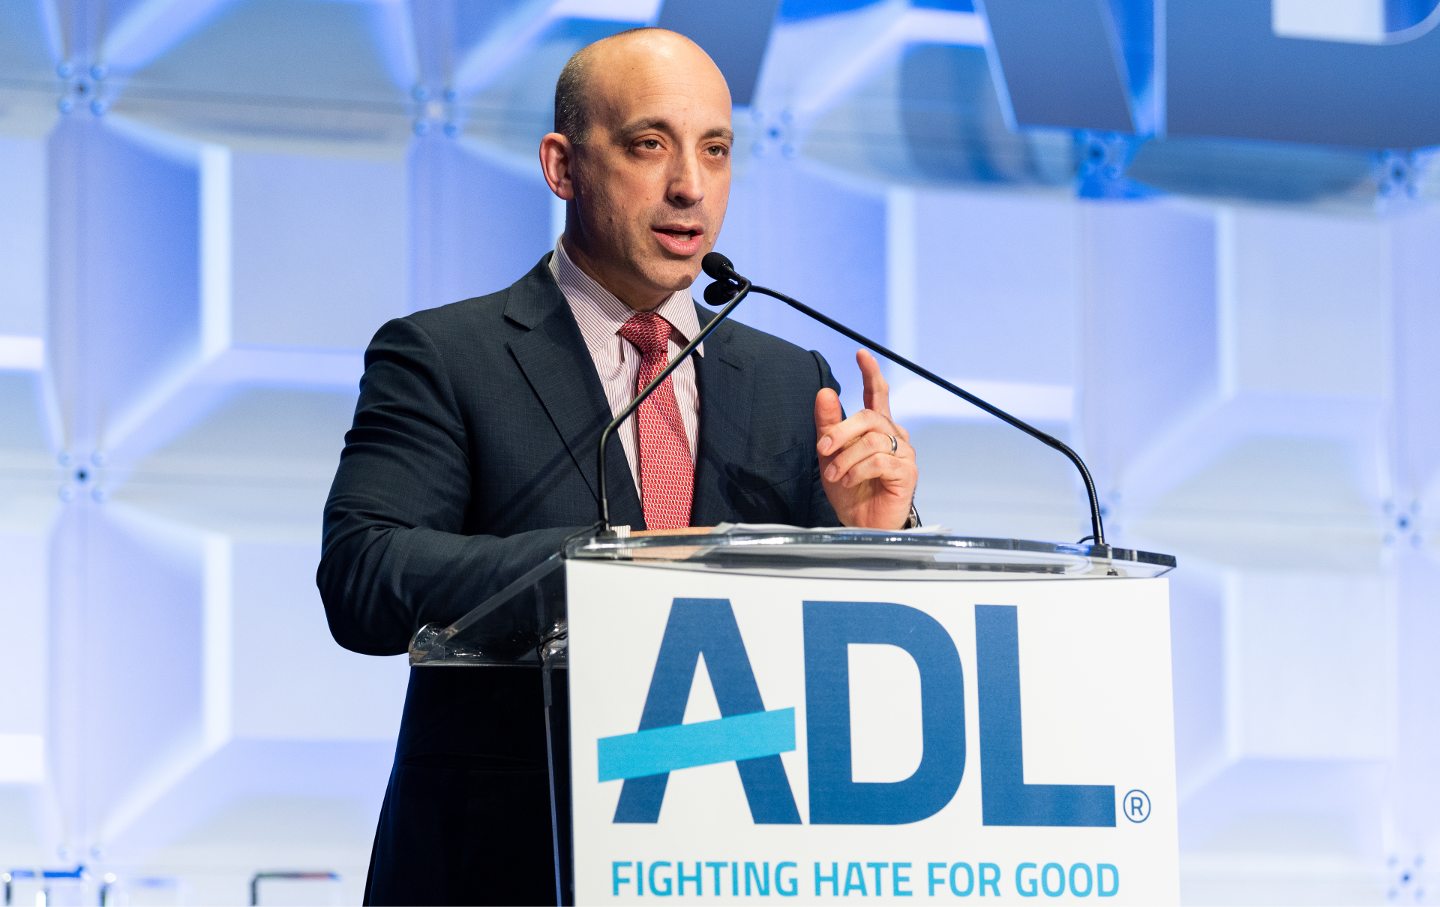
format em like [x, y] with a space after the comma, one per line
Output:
[557, 162]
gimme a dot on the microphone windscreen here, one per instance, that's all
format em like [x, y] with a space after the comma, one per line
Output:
[719, 293]
[718, 267]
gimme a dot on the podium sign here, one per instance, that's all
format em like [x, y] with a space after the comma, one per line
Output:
[742, 738]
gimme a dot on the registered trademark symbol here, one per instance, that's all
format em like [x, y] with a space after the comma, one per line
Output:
[1135, 805]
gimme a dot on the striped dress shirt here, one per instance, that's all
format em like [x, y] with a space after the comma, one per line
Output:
[600, 315]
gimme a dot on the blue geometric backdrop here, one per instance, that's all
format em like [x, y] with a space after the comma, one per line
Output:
[1228, 304]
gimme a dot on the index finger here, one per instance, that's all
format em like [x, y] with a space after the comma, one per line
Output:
[877, 389]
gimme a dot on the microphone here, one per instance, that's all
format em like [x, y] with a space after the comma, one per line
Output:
[735, 291]
[726, 278]
[718, 267]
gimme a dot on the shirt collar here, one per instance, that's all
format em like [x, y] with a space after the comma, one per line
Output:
[583, 291]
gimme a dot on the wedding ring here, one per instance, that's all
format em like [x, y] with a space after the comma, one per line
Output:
[894, 443]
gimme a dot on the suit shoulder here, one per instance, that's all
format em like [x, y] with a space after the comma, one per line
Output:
[480, 317]
[758, 343]
[489, 307]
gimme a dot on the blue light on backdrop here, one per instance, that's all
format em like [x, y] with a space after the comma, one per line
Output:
[1194, 238]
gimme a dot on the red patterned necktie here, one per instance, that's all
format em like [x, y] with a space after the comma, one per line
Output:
[667, 471]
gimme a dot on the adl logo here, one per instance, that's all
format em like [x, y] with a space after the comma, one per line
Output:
[753, 737]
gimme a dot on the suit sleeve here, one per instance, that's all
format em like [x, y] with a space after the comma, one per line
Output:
[394, 555]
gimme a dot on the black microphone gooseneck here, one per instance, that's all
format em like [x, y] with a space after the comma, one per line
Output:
[740, 289]
[718, 267]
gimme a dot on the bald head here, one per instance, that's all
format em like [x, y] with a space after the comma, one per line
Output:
[641, 156]
[573, 90]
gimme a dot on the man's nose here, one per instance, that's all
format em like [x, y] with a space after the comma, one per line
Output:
[687, 181]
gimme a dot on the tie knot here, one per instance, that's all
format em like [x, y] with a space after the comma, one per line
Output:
[649, 332]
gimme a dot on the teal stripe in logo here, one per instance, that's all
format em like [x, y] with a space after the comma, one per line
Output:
[665, 749]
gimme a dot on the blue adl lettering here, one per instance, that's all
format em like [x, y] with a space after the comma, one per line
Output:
[706, 627]
[1005, 797]
[835, 797]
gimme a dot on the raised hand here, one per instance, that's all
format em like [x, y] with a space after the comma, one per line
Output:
[867, 465]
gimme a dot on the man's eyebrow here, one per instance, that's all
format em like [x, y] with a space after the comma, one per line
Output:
[644, 125]
[663, 125]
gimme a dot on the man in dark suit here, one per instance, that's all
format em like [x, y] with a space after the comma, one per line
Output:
[472, 454]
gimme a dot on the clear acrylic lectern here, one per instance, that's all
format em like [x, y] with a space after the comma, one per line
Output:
[525, 623]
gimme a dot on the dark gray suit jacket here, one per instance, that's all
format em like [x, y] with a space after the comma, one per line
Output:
[471, 459]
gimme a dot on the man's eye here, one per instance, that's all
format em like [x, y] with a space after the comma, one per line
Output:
[648, 144]
[718, 150]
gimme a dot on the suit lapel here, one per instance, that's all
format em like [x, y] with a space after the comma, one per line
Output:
[725, 376]
[552, 355]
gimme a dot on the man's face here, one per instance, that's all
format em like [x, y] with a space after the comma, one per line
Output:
[651, 178]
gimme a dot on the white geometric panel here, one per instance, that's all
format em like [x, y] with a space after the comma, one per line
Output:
[264, 74]
[1415, 784]
[314, 49]
[997, 285]
[276, 702]
[820, 61]
[1416, 370]
[982, 477]
[140, 326]
[288, 682]
[248, 460]
[313, 262]
[24, 836]
[258, 805]
[1198, 652]
[245, 693]
[23, 236]
[29, 481]
[1287, 696]
[141, 642]
[1150, 325]
[1292, 436]
[27, 434]
[28, 46]
[27, 820]
[506, 80]
[779, 205]
[1303, 303]
[136, 31]
[24, 662]
[479, 220]
[1309, 484]
[1286, 831]
[30, 432]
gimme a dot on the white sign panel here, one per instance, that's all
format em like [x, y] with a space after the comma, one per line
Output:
[745, 739]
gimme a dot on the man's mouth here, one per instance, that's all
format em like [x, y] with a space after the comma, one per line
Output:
[681, 240]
